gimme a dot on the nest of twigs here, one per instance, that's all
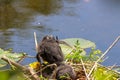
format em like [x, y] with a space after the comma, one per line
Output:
[82, 70]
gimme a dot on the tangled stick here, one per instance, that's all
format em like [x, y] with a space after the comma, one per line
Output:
[28, 71]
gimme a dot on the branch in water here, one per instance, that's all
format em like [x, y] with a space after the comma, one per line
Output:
[28, 71]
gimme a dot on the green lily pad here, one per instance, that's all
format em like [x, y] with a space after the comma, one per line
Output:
[71, 41]
[83, 42]
[10, 55]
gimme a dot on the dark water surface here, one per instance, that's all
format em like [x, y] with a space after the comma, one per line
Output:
[95, 20]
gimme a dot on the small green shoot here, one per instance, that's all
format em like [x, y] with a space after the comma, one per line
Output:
[76, 53]
[79, 53]
[95, 54]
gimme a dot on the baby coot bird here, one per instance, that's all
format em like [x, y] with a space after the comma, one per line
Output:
[67, 71]
[50, 50]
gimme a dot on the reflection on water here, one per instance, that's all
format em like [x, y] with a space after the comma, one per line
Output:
[7, 14]
[45, 7]
[9, 17]
[96, 20]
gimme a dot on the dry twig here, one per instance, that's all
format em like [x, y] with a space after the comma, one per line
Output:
[36, 44]
[85, 70]
[24, 69]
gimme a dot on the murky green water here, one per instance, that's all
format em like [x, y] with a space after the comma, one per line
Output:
[96, 20]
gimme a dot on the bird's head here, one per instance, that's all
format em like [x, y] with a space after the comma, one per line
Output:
[49, 37]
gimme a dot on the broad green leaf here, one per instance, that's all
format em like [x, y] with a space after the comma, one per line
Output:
[10, 55]
[71, 41]
[67, 49]
[83, 42]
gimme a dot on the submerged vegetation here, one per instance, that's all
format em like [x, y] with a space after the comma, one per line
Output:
[82, 56]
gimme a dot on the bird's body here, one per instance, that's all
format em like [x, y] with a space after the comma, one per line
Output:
[50, 50]
[67, 71]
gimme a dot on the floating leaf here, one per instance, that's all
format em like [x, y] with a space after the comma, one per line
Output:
[10, 55]
[83, 42]
[71, 41]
